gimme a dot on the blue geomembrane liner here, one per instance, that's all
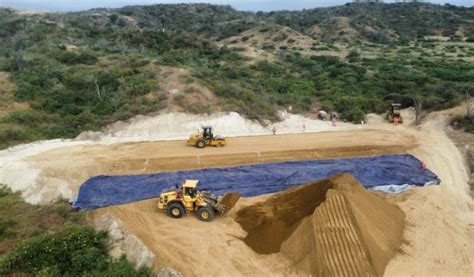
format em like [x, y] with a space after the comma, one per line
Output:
[378, 172]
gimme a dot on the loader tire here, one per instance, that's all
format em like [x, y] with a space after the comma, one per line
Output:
[176, 210]
[200, 144]
[206, 214]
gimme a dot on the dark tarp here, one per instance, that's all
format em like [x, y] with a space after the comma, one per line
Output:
[251, 180]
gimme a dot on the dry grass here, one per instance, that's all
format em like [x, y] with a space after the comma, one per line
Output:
[253, 43]
[185, 94]
[7, 103]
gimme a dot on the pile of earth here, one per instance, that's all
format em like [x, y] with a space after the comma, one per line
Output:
[332, 227]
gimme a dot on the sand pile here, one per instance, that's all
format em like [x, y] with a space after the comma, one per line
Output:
[327, 228]
[270, 223]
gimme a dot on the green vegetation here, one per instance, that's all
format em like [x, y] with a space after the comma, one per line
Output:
[381, 23]
[73, 251]
[385, 23]
[53, 240]
[465, 122]
[297, 80]
[81, 71]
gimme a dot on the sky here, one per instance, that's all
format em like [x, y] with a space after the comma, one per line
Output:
[246, 5]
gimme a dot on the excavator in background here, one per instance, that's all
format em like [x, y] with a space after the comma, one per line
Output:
[186, 199]
[394, 113]
[206, 138]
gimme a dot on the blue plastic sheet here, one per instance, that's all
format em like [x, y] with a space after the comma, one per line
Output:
[387, 173]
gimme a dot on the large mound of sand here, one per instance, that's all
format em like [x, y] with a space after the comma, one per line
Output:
[327, 228]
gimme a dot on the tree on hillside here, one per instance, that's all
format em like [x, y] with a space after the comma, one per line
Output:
[468, 103]
[418, 105]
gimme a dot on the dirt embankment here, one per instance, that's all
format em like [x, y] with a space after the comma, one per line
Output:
[465, 143]
[332, 227]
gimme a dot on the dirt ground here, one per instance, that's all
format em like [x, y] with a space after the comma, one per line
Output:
[438, 236]
[74, 165]
[438, 233]
[350, 240]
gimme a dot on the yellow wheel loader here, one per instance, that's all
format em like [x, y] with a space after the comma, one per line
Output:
[187, 199]
[206, 138]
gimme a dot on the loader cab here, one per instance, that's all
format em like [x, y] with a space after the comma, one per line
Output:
[207, 133]
[395, 109]
[189, 188]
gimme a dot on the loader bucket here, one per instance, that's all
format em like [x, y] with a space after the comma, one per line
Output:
[227, 202]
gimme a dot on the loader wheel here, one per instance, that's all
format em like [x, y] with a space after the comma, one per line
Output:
[200, 144]
[175, 210]
[206, 213]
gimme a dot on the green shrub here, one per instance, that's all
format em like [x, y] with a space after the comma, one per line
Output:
[239, 49]
[280, 37]
[71, 58]
[29, 118]
[6, 225]
[404, 50]
[4, 190]
[26, 90]
[353, 56]
[320, 48]
[73, 251]
[137, 85]
[355, 115]
[12, 135]
[468, 124]
[268, 46]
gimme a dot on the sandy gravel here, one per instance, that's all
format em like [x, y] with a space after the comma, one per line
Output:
[439, 232]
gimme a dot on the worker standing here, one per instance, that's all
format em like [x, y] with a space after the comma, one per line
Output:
[274, 130]
[304, 127]
[333, 118]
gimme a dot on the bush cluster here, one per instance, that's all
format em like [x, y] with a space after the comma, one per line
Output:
[73, 251]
